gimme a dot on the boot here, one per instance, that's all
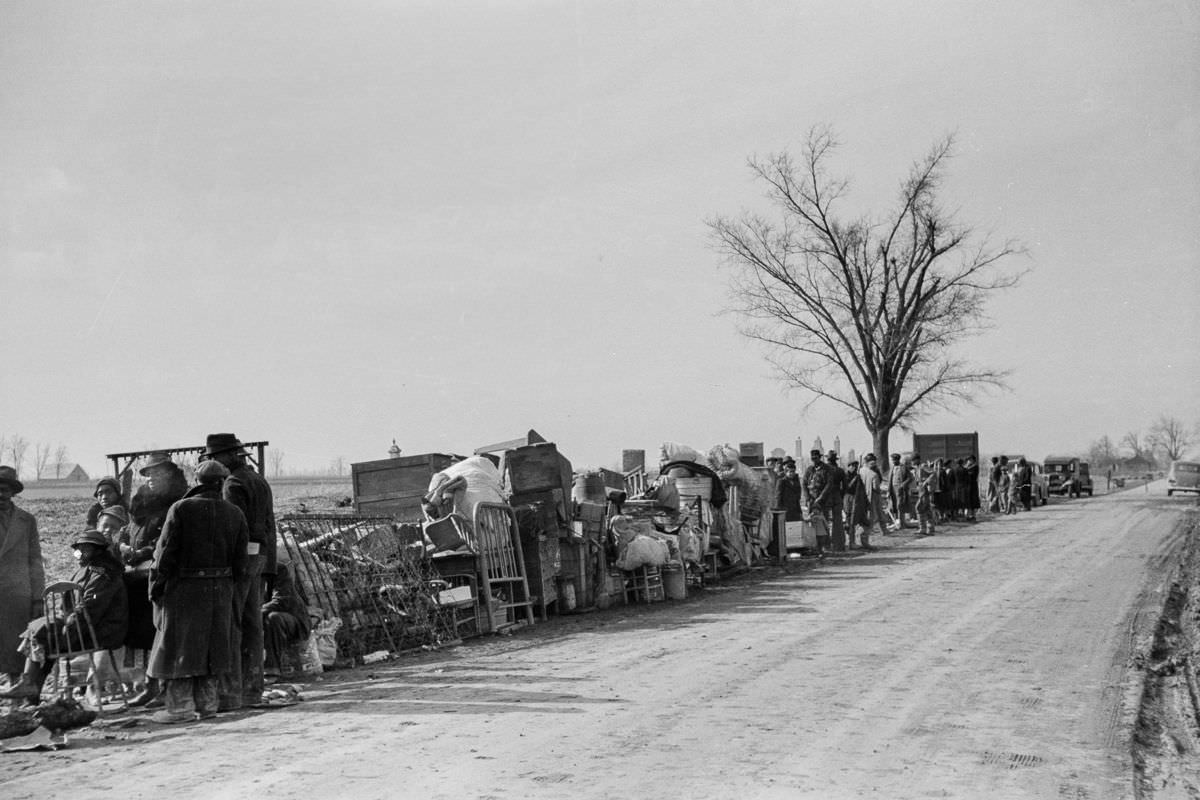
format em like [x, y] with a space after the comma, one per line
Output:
[152, 691]
[866, 543]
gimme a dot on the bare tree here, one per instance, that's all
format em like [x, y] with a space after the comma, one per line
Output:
[60, 458]
[1133, 442]
[338, 466]
[1103, 453]
[41, 457]
[17, 446]
[1170, 435]
[860, 311]
[276, 459]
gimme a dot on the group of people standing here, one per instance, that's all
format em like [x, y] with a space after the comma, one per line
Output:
[845, 504]
[185, 572]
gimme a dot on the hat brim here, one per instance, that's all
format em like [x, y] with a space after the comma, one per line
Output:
[16, 485]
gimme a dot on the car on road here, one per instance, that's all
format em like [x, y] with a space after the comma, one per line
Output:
[1184, 476]
[1068, 476]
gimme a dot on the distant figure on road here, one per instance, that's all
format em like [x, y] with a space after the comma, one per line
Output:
[925, 515]
[1024, 481]
[833, 506]
[993, 488]
[854, 505]
[1108, 479]
[972, 488]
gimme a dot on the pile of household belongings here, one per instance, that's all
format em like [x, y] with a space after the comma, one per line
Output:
[730, 497]
[453, 495]
[640, 544]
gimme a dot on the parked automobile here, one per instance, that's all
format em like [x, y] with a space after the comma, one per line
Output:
[1068, 476]
[1184, 476]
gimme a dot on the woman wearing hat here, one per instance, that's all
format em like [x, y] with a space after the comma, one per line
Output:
[108, 493]
[103, 597]
[165, 484]
[22, 577]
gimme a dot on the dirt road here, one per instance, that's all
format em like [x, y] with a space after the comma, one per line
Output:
[989, 661]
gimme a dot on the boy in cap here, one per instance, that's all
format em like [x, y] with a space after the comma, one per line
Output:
[102, 595]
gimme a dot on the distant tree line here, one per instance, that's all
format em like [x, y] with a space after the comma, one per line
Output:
[14, 449]
[1168, 439]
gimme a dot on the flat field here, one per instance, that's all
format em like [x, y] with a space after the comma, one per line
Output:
[61, 512]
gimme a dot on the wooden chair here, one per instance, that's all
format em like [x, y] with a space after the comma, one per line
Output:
[501, 566]
[68, 640]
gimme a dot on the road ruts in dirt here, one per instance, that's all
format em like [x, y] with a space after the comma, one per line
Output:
[988, 661]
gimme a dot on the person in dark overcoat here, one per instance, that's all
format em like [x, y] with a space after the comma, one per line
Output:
[102, 596]
[971, 468]
[249, 491]
[199, 558]
[165, 485]
[22, 576]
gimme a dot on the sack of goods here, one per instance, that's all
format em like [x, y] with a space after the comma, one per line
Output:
[644, 551]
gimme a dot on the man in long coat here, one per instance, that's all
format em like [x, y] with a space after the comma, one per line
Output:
[22, 577]
[250, 492]
[198, 559]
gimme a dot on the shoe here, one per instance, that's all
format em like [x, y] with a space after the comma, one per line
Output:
[156, 702]
[869, 548]
[24, 690]
[205, 715]
[143, 697]
[165, 717]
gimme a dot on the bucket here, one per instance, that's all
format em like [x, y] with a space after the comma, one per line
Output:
[674, 583]
[589, 488]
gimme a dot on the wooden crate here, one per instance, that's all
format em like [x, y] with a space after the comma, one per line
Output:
[536, 468]
[395, 486]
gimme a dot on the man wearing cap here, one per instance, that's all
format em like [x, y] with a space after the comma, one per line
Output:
[108, 493]
[250, 492]
[102, 595]
[22, 576]
[872, 483]
[837, 488]
[197, 562]
[817, 491]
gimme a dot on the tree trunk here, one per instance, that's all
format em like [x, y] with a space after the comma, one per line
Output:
[879, 440]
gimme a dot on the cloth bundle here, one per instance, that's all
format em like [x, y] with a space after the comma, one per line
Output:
[465, 484]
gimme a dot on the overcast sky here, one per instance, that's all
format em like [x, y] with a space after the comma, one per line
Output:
[328, 225]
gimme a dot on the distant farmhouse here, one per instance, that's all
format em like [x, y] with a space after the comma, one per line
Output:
[1138, 465]
[66, 472]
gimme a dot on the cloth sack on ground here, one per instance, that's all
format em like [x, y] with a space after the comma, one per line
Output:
[325, 633]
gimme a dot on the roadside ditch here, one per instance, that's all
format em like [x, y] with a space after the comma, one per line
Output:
[1166, 737]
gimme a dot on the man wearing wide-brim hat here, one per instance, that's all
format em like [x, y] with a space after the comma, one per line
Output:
[250, 492]
[22, 576]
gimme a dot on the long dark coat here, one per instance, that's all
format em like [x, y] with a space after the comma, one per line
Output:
[105, 599]
[22, 580]
[147, 512]
[972, 473]
[201, 552]
[860, 505]
[250, 492]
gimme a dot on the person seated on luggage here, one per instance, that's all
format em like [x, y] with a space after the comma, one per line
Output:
[107, 494]
[285, 617]
[111, 522]
[102, 596]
